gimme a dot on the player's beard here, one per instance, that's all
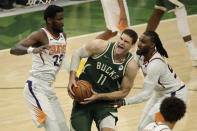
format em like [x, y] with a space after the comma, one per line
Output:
[56, 28]
[142, 51]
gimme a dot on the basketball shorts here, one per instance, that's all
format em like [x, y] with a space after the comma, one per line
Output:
[100, 111]
[44, 105]
[169, 5]
[111, 11]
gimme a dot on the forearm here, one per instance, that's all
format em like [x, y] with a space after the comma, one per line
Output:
[66, 64]
[18, 50]
[72, 75]
[75, 62]
[76, 58]
[144, 95]
[141, 97]
[112, 96]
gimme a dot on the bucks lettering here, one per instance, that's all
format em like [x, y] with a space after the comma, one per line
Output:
[107, 69]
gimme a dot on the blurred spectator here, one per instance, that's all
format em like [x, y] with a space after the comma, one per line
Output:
[21, 2]
[6, 5]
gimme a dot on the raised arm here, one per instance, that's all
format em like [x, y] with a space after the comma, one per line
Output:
[93, 49]
[28, 45]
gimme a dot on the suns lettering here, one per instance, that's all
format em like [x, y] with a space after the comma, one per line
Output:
[57, 49]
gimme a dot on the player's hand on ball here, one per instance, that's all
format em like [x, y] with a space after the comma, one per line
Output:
[71, 84]
[82, 90]
[90, 99]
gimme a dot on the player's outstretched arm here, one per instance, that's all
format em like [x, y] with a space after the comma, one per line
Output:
[145, 94]
[26, 46]
[150, 81]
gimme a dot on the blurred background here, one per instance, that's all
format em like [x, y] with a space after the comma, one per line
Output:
[81, 17]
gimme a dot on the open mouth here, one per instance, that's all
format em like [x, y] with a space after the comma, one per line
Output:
[120, 47]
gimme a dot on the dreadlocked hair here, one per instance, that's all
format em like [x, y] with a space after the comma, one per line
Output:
[155, 39]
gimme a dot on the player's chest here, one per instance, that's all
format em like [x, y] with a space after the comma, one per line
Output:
[109, 70]
[143, 66]
[57, 46]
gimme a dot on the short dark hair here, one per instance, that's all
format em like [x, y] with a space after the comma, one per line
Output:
[155, 39]
[51, 11]
[131, 33]
[172, 109]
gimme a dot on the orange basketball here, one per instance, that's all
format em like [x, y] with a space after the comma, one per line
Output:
[82, 91]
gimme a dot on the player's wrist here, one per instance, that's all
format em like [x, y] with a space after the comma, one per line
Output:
[124, 102]
[30, 50]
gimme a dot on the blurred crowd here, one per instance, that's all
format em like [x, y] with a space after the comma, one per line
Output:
[9, 5]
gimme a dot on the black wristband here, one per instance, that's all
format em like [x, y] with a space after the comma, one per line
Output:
[123, 102]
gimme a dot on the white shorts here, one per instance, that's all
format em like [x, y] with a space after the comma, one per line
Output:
[44, 105]
[111, 11]
[108, 122]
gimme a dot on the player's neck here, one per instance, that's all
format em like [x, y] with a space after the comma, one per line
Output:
[149, 55]
[169, 124]
[119, 58]
[52, 32]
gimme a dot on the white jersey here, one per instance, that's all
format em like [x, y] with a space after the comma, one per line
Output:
[156, 127]
[45, 66]
[158, 71]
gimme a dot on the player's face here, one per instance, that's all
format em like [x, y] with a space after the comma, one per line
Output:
[58, 22]
[124, 44]
[144, 45]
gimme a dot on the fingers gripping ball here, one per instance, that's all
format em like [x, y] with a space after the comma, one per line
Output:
[82, 91]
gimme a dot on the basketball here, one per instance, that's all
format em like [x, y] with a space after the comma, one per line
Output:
[82, 91]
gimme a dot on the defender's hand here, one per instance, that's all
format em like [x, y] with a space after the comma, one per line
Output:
[41, 49]
[117, 103]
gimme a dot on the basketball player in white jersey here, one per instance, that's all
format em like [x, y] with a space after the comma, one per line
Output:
[172, 109]
[158, 76]
[116, 17]
[47, 46]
